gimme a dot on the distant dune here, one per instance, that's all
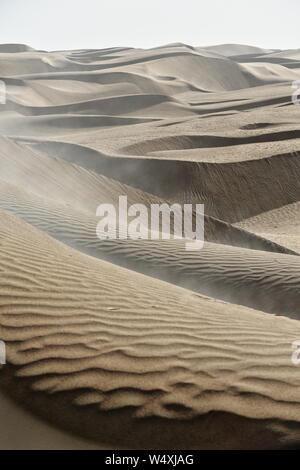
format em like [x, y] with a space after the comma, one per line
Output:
[140, 343]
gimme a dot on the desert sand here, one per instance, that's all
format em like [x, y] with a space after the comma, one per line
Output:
[141, 344]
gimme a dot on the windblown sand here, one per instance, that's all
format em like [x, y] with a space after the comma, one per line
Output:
[140, 343]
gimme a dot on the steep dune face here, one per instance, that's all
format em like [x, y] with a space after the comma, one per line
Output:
[281, 225]
[140, 343]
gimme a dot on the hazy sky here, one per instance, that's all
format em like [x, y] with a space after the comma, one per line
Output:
[71, 24]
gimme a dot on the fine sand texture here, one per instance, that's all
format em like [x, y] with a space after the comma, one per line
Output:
[141, 344]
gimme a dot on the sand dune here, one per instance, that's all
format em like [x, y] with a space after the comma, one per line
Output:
[257, 279]
[76, 344]
[9, 48]
[140, 343]
[237, 50]
[53, 180]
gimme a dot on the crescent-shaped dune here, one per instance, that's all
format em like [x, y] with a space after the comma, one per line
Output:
[140, 343]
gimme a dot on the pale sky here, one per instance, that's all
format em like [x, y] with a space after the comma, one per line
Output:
[75, 24]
